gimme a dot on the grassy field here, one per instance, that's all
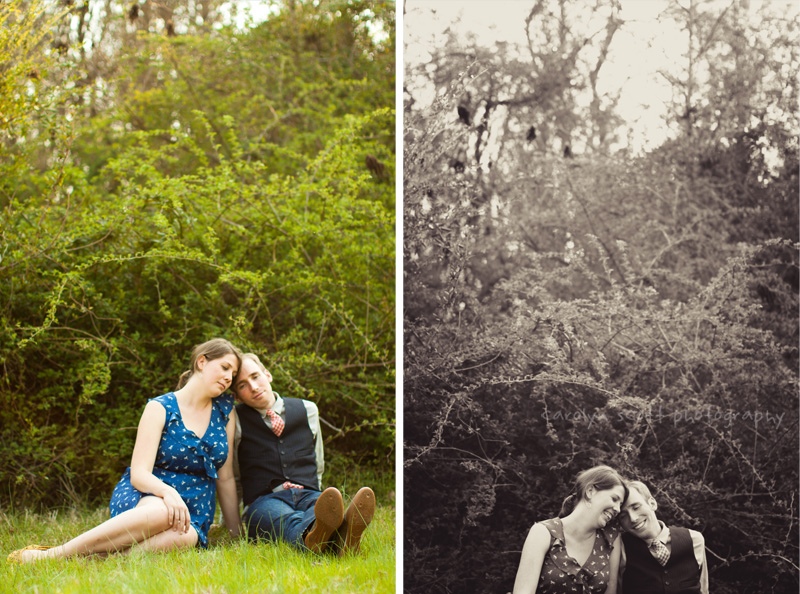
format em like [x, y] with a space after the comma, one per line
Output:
[225, 567]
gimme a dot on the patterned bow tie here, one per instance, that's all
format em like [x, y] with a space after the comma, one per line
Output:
[277, 422]
[659, 551]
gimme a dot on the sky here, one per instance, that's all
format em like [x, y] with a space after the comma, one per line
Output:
[639, 49]
[644, 45]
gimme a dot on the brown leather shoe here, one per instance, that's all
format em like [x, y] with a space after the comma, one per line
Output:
[356, 519]
[328, 514]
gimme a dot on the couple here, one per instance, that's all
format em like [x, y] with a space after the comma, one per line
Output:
[180, 461]
[607, 539]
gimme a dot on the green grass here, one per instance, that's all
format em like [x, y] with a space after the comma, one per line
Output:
[226, 567]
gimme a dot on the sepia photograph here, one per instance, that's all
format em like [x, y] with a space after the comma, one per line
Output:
[600, 296]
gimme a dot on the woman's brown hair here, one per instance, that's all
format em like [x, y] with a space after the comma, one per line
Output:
[212, 349]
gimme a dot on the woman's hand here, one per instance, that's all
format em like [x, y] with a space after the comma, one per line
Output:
[177, 512]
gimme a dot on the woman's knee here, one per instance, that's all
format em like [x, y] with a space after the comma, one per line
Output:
[187, 539]
[156, 513]
[178, 540]
[169, 540]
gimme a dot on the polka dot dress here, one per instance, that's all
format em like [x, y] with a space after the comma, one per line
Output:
[186, 462]
[561, 574]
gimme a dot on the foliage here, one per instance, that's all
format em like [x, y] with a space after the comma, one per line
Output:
[563, 312]
[215, 186]
[226, 566]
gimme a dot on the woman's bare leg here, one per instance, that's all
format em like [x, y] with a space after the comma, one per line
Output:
[148, 519]
[168, 540]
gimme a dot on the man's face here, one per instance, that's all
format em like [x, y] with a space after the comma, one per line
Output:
[638, 516]
[252, 385]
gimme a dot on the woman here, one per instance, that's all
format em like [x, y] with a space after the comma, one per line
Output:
[165, 500]
[578, 551]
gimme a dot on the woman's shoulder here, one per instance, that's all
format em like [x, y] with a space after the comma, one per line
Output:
[551, 524]
[550, 528]
[165, 400]
[225, 404]
[539, 538]
[611, 532]
[164, 406]
[154, 414]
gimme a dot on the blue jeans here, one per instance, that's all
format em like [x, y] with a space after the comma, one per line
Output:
[284, 515]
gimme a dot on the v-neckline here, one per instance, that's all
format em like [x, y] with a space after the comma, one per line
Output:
[192, 432]
[566, 550]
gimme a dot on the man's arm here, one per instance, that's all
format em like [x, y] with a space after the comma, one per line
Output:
[614, 565]
[237, 439]
[699, 545]
[312, 412]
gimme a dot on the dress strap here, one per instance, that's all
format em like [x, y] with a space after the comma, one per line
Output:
[224, 404]
[611, 531]
[556, 530]
[170, 403]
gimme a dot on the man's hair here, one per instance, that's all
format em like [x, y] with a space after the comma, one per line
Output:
[252, 357]
[641, 488]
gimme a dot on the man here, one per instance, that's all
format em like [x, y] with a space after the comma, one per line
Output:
[657, 558]
[279, 455]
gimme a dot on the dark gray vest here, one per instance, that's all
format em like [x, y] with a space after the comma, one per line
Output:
[266, 460]
[644, 575]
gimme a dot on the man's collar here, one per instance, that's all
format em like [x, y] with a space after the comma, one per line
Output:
[278, 407]
[662, 536]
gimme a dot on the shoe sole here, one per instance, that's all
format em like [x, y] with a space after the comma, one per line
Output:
[356, 519]
[328, 516]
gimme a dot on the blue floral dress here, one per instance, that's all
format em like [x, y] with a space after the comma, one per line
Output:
[561, 574]
[186, 462]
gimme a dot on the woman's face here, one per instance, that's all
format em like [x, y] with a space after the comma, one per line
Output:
[607, 503]
[218, 373]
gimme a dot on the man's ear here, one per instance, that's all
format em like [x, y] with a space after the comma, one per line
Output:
[652, 503]
[269, 376]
